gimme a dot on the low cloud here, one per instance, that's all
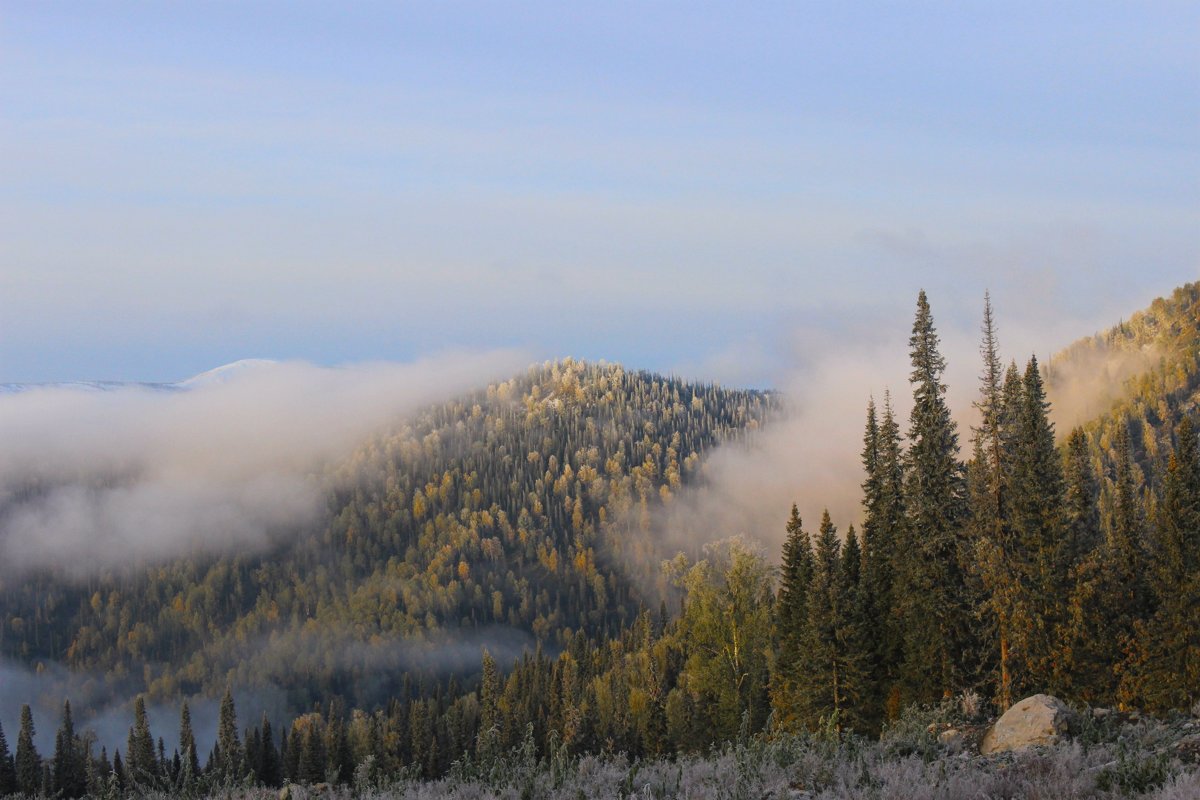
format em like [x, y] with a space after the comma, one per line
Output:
[103, 705]
[811, 456]
[93, 480]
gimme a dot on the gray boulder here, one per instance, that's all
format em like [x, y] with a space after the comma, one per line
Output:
[1040, 719]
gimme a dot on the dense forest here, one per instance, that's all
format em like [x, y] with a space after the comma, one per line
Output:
[1048, 561]
[518, 510]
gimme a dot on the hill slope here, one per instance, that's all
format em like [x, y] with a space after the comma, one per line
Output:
[1143, 373]
[514, 510]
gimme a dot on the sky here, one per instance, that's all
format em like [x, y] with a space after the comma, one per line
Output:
[716, 190]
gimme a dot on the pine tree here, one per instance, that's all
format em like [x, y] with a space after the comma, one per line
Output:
[1164, 671]
[141, 767]
[831, 685]
[933, 596]
[119, 770]
[70, 778]
[884, 561]
[989, 509]
[986, 553]
[269, 758]
[1039, 556]
[791, 617]
[8, 770]
[1081, 499]
[852, 560]
[230, 764]
[1110, 595]
[190, 771]
[489, 703]
[28, 763]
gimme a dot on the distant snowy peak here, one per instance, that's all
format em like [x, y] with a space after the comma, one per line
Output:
[213, 377]
[227, 373]
[89, 386]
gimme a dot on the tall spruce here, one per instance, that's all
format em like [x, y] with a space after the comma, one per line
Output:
[28, 762]
[884, 560]
[1040, 558]
[986, 557]
[230, 764]
[791, 614]
[1163, 673]
[933, 598]
[190, 767]
[70, 772]
[8, 770]
[489, 704]
[831, 685]
[268, 757]
[141, 764]
[1081, 507]
[1110, 596]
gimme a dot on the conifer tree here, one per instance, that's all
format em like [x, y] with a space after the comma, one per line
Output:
[269, 757]
[70, 777]
[190, 761]
[989, 507]
[489, 703]
[884, 538]
[8, 770]
[1081, 499]
[119, 770]
[1039, 556]
[791, 616]
[230, 764]
[1164, 670]
[28, 763]
[1110, 595]
[985, 557]
[831, 685]
[141, 767]
[852, 560]
[933, 597]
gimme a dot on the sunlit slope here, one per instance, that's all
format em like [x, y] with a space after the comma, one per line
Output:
[508, 515]
[1143, 373]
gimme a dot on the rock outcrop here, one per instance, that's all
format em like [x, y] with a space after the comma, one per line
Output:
[1040, 719]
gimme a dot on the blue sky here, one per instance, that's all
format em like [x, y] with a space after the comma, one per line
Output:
[705, 188]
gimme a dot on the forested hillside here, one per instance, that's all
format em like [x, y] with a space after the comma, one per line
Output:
[1142, 374]
[521, 510]
[988, 564]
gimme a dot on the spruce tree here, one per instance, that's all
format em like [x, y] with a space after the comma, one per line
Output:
[8, 770]
[852, 560]
[28, 763]
[489, 704]
[70, 775]
[269, 757]
[141, 765]
[230, 764]
[933, 598]
[1110, 595]
[1163, 673]
[190, 772]
[986, 553]
[1040, 558]
[119, 771]
[1081, 499]
[831, 685]
[791, 616]
[884, 564]
[989, 509]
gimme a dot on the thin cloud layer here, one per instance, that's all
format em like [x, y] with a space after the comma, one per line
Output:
[105, 480]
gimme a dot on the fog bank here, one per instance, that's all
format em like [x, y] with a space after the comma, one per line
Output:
[94, 480]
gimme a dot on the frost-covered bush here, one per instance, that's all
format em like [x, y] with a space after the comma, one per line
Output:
[1114, 760]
